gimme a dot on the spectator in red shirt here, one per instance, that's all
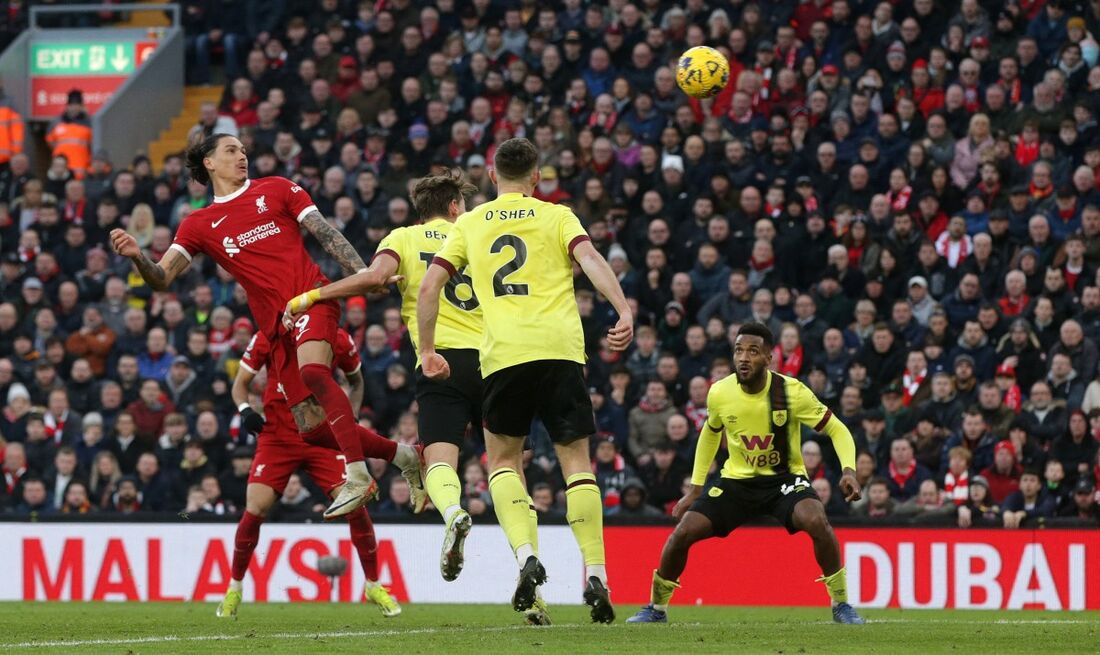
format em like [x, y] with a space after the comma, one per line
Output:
[1004, 474]
[149, 411]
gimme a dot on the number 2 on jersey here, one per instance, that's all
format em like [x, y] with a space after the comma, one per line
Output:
[519, 258]
[450, 292]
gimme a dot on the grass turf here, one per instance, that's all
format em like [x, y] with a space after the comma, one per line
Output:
[314, 628]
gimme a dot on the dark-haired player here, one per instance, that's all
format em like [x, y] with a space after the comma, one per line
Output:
[520, 252]
[252, 229]
[761, 413]
[280, 452]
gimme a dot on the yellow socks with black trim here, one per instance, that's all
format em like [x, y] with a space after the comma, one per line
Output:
[513, 511]
[660, 594]
[444, 489]
[837, 585]
[584, 511]
[533, 524]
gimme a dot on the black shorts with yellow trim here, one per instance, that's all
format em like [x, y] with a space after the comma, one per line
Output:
[731, 503]
[449, 408]
[550, 390]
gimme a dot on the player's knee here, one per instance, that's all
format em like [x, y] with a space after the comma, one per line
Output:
[315, 375]
[814, 523]
[684, 536]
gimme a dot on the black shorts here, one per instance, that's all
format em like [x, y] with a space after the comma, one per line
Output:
[551, 390]
[447, 407]
[732, 503]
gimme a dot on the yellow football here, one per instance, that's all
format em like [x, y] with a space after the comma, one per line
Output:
[702, 72]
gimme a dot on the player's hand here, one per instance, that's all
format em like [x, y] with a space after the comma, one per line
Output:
[125, 244]
[620, 336]
[849, 485]
[687, 501]
[299, 304]
[251, 421]
[435, 366]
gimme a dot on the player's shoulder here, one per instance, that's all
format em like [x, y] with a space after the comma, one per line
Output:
[723, 388]
[275, 181]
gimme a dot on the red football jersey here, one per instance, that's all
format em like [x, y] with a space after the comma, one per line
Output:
[253, 233]
[344, 357]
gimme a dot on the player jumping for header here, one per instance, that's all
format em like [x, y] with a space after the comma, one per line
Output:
[252, 229]
[761, 413]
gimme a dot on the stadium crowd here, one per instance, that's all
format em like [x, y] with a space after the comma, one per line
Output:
[907, 193]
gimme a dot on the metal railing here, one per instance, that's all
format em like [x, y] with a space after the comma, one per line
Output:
[37, 11]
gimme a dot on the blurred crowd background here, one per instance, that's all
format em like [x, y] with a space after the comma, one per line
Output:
[905, 192]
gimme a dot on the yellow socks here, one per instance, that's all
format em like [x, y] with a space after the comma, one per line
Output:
[661, 592]
[837, 585]
[444, 489]
[533, 525]
[513, 511]
[584, 511]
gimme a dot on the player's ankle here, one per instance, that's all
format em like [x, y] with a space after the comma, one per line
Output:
[523, 552]
[449, 513]
[236, 585]
[357, 471]
[596, 571]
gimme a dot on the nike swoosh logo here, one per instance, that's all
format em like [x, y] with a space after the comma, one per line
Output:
[218, 222]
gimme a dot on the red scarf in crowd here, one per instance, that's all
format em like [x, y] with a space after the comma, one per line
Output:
[1039, 194]
[911, 383]
[957, 489]
[1014, 399]
[788, 364]
[1014, 90]
[900, 200]
[900, 478]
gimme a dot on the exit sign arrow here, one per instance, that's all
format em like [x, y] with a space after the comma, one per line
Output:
[120, 60]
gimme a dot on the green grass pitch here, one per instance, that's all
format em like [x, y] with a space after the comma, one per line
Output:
[445, 629]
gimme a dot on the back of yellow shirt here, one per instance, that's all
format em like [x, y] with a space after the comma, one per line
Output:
[518, 252]
[414, 247]
[753, 450]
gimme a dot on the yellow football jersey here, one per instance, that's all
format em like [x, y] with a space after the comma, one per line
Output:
[748, 424]
[517, 250]
[414, 247]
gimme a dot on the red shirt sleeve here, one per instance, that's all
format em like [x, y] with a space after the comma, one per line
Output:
[255, 355]
[344, 355]
[188, 239]
[298, 202]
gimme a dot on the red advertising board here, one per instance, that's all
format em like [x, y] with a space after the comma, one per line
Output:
[908, 568]
[49, 94]
[143, 49]
[888, 567]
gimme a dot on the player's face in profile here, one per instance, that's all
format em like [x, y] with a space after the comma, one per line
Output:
[229, 160]
[750, 358]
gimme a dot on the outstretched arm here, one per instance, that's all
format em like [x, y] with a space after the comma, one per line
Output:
[596, 268]
[375, 278]
[158, 275]
[333, 242]
[427, 311]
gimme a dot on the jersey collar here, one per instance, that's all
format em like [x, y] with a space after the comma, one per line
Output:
[514, 195]
[244, 187]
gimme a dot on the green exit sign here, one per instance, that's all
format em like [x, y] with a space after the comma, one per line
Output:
[111, 58]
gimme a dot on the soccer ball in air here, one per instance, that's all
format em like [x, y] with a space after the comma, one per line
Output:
[702, 72]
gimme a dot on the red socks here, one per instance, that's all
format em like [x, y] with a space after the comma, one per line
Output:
[248, 535]
[338, 412]
[372, 444]
[362, 537]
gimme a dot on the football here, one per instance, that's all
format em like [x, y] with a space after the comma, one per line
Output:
[702, 72]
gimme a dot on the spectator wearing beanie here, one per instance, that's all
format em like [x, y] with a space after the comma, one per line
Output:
[1004, 474]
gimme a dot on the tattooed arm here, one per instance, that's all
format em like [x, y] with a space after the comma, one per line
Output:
[334, 243]
[158, 275]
